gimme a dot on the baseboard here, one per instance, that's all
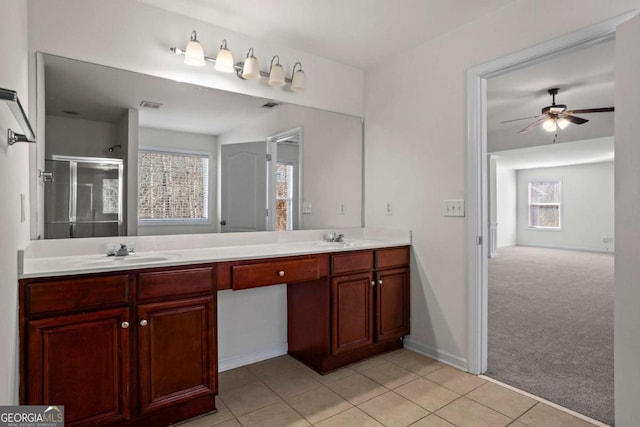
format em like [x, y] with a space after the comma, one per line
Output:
[247, 359]
[570, 248]
[439, 355]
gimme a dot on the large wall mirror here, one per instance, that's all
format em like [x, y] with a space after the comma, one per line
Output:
[134, 154]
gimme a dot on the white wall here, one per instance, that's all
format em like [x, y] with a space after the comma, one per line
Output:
[14, 174]
[587, 207]
[65, 133]
[506, 206]
[415, 150]
[331, 163]
[162, 138]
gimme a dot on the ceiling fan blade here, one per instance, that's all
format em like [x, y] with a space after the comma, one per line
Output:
[535, 124]
[521, 118]
[575, 119]
[591, 110]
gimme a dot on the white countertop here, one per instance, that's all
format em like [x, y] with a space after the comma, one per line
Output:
[44, 258]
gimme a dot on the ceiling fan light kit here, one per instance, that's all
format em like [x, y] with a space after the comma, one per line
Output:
[247, 70]
[556, 116]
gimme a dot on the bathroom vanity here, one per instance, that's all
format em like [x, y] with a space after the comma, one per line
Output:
[134, 342]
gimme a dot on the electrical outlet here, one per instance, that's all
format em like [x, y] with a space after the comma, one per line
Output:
[341, 209]
[388, 208]
[453, 207]
[306, 208]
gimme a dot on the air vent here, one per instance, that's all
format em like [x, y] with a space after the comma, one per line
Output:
[150, 104]
[270, 105]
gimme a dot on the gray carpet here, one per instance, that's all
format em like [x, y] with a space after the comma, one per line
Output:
[551, 326]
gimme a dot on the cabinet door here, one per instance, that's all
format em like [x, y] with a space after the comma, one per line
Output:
[82, 362]
[177, 357]
[351, 312]
[392, 304]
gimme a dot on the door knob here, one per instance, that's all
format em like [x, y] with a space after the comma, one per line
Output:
[373, 283]
[380, 282]
[281, 273]
[143, 322]
[223, 222]
[124, 325]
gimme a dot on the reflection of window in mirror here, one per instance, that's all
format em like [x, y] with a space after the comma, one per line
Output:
[173, 186]
[284, 196]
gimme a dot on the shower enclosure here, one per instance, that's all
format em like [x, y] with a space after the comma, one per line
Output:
[83, 198]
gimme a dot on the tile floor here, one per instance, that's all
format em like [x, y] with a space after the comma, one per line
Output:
[401, 388]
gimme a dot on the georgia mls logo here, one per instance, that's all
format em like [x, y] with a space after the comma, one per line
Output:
[31, 416]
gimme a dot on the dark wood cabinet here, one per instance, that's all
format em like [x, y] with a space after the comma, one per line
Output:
[81, 361]
[176, 352]
[367, 298]
[151, 360]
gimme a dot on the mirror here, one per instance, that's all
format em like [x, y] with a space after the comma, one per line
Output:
[194, 159]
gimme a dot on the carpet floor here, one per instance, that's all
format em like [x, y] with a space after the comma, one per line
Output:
[551, 326]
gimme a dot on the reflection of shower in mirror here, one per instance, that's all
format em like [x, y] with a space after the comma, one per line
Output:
[113, 147]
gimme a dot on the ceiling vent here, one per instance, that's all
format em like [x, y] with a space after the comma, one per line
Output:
[270, 104]
[150, 104]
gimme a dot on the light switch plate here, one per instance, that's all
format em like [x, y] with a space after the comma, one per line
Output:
[306, 208]
[453, 207]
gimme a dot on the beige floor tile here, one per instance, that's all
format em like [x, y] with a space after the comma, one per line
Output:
[467, 413]
[350, 418]
[368, 363]
[427, 394]
[223, 414]
[432, 421]
[238, 377]
[357, 388]
[543, 415]
[414, 362]
[318, 404]
[290, 383]
[516, 424]
[277, 415]
[389, 375]
[275, 366]
[455, 379]
[502, 399]
[330, 377]
[393, 410]
[230, 423]
[250, 397]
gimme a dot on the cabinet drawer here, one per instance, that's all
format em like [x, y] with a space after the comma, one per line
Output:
[274, 272]
[77, 294]
[160, 284]
[393, 257]
[351, 262]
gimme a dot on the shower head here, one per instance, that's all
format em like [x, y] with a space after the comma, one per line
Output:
[113, 147]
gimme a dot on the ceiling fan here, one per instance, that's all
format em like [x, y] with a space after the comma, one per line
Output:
[556, 116]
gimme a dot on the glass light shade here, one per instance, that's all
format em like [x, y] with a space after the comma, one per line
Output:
[251, 69]
[276, 76]
[299, 81]
[563, 123]
[194, 54]
[224, 61]
[550, 125]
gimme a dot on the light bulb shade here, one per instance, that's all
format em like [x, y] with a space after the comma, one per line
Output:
[224, 60]
[563, 123]
[251, 68]
[194, 54]
[299, 81]
[550, 125]
[276, 76]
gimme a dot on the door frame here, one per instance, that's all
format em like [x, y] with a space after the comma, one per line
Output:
[477, 174]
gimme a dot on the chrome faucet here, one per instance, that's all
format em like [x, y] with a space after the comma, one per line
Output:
[335, 237]
[122, 251]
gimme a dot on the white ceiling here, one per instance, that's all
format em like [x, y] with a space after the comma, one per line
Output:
[353, 32]
[105, 93]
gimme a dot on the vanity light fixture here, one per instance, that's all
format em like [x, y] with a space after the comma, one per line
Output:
[247, 70]
[224, 60]
[276, 73]
[251, 68]
[194, 54]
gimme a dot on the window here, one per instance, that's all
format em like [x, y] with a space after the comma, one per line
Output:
[544, 204]
[284, 196]
[173, 186]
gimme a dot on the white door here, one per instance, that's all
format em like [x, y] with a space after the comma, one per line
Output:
[243, 201]
[627, 233]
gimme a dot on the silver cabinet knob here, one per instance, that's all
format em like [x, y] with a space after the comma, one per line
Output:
[380, 282]
[124, 325]
[281, 273]
[143, 322]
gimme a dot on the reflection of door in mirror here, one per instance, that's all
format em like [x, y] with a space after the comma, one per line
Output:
[243, 200]
[284, 178]
[84, 197]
